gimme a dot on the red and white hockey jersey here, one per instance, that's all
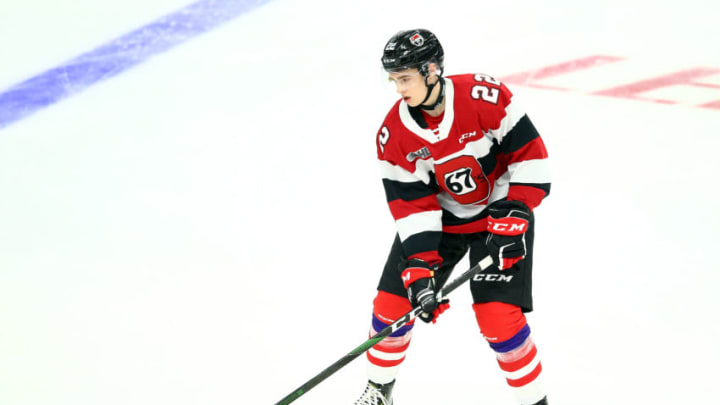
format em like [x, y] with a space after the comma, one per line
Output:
[484, 149]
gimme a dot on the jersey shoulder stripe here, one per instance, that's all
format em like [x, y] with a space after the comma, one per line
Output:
[522, 133]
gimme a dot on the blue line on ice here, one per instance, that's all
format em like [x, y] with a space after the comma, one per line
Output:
[118, 55]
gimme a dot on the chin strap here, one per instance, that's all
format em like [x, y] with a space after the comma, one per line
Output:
[430, 87]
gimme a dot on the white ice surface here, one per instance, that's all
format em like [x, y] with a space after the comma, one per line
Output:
[209, 227]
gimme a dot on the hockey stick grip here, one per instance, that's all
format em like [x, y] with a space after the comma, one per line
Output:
[483, 265]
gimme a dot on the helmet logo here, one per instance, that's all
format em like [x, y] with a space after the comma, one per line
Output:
[390, 46]
[417, 40]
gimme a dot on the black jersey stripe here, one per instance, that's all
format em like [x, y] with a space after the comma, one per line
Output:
[542, 186]
[449, 219]
[395, 190]
[522, 133]
[421, 242]
[489, 161]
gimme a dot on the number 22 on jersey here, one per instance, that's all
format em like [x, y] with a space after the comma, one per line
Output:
[485, 92]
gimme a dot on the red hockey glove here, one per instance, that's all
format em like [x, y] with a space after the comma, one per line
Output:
[507, 224]
[420, 284]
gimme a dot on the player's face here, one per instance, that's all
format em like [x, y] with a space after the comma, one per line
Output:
[410, 84]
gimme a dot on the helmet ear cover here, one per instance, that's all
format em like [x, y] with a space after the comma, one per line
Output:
[424, 69]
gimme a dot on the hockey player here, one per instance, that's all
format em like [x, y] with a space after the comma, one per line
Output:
[463, 169]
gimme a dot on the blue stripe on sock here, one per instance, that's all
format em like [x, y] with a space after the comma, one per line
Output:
[117, 56]
[514, 342]
[379, 325]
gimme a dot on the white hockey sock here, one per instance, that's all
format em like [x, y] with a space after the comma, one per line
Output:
[384, 358]
[522, 369]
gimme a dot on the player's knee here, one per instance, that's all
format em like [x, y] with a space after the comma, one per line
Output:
[389, 307]
[499, 321]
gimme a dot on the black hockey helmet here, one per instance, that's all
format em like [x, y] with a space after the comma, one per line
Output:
[412, 49]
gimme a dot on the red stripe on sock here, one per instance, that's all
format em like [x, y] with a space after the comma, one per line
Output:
[520, 382]
[384, 363]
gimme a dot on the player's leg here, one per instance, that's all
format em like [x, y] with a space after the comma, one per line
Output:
[390, 303]
[500, 300]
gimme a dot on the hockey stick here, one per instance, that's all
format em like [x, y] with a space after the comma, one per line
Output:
[449, 287]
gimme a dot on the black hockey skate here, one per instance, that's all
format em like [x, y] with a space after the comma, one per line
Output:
[376, 394]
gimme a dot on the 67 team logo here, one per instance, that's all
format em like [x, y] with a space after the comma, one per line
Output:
[464, 179]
